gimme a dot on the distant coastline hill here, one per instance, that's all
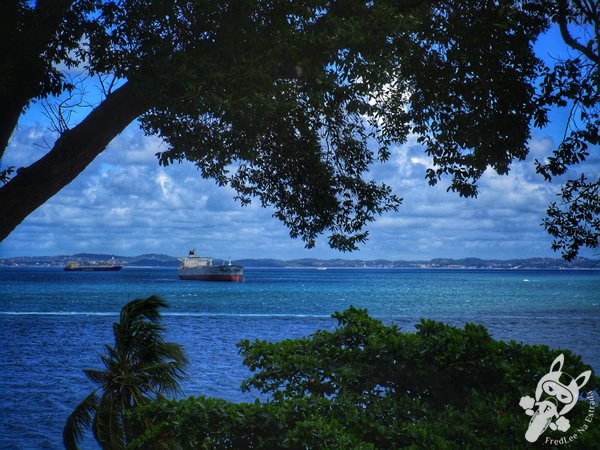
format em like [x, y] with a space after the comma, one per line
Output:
[149, 260]
[158, 260]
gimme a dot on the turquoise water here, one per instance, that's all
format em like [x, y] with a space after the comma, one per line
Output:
[53, 323]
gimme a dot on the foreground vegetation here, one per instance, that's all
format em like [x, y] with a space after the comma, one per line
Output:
[138, 369]
[369, 385]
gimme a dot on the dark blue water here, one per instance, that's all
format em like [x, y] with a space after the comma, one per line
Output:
[53, 323]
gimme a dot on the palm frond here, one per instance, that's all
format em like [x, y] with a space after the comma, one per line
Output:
[108, 424]
[165, 377]
[80, 418]
[143, 309]
[175, 352]
[138, 368]
[98, 377]
[112, 359]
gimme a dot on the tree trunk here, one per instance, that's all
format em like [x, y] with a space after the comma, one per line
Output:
[22, 74]
[72, 152]
[9, 116]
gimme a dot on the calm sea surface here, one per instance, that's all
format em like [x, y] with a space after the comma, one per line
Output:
[53, 323]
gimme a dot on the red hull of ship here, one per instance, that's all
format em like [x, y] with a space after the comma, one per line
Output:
[230, 277]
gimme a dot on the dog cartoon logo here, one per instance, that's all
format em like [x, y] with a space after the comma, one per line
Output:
[555, 395]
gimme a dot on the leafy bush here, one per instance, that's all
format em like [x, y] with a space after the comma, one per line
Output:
[368, 385]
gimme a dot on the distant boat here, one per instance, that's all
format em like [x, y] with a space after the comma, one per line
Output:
[202, 268]
[111, 266]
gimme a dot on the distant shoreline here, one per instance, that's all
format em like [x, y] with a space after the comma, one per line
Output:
[165, 261]
[499, 269]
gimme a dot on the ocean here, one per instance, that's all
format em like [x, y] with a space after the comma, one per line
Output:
[53, 324]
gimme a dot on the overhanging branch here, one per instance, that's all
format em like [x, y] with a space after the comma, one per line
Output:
[566, 35]
[71, 154]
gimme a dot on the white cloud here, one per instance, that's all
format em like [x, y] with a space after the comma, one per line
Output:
[125, 203]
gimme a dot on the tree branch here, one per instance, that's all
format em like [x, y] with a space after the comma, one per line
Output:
[71, 154]
[569, 40]
[29, 34]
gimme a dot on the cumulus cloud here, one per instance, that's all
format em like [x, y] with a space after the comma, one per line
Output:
[502, 222]
[125, 203]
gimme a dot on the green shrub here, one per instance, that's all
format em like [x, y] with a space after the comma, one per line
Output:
[368, 385]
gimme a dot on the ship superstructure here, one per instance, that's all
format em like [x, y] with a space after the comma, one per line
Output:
[202, 268]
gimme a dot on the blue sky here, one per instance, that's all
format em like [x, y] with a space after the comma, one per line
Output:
[124, 203]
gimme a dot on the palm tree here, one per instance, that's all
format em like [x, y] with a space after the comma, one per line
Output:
[139, 368]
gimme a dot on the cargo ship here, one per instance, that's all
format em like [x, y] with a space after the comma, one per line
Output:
[112, 266]
[202, 268]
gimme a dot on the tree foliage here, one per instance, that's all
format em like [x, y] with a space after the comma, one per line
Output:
[139, 368]
[368, 385]
[576, 222]
[291, 103]
[574, 83]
